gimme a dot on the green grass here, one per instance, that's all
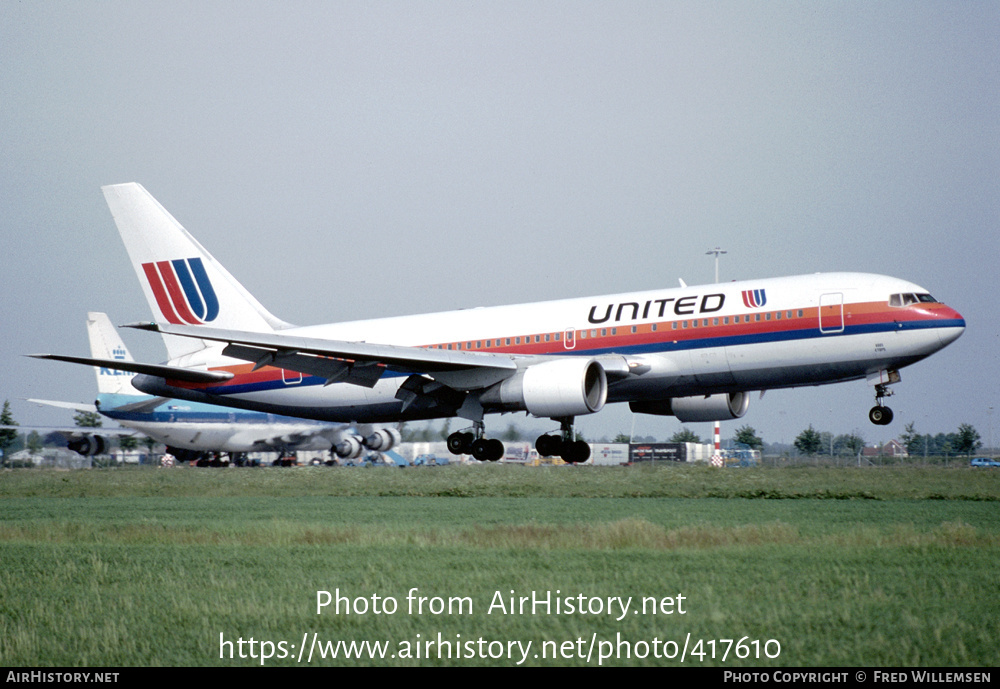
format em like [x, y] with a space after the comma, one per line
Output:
[888, 567]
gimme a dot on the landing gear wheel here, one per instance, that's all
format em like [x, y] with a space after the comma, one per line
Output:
[460, 443]
[575, 452]
[880, 416]
[496, 450]
[480, 450]
[548, 445]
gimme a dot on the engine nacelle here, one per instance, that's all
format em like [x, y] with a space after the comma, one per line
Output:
[562, 387]
[383, 440]
[350, 447]
[88, 445]
[721, 407]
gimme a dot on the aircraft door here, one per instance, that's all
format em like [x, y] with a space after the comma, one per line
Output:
[831, 313]
[569, 338]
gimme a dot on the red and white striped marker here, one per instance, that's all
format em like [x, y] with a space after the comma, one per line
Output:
[717, 457]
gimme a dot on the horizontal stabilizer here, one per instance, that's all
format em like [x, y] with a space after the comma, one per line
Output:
[75, 406]
[189, 375]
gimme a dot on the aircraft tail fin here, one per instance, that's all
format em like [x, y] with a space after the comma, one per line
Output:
[183, 283]
[106, 343]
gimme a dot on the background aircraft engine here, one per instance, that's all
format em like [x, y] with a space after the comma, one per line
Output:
[350, 447]
[383, 440]
[564, 387]
[721, 407]
[88, 445]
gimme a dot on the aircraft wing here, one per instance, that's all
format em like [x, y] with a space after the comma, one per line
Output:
[359, 363]
[190, 375]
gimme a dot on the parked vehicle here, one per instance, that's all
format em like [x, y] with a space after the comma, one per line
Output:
[984, 462]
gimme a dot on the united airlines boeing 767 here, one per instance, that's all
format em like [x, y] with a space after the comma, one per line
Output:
[692, 352]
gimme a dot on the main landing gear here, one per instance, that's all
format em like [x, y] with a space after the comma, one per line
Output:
[880, 415]
[548, 445]
[474, 443]
[562, 445]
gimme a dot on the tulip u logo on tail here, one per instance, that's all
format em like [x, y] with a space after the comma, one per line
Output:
[183, 291]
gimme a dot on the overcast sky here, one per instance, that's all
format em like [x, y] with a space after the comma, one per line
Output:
[349, 160]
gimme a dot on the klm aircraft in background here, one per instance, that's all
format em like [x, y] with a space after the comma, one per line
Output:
[193, 430]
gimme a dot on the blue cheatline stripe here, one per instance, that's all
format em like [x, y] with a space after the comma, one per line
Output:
[190, 291]
[661, 347]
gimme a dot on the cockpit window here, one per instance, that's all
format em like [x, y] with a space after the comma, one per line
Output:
[908, 298]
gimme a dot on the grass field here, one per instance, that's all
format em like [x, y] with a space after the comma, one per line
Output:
[812, 566]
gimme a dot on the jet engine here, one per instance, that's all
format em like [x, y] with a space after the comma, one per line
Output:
[720, 407]
[383, 440]
[562, 387]
[350, 447]
[88, 445]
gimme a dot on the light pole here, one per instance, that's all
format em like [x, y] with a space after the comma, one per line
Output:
[989, 413]
[716, 435]
[715, 251]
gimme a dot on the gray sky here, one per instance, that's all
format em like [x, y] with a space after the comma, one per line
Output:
[352, 160]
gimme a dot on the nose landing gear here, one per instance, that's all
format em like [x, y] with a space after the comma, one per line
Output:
[880, 415]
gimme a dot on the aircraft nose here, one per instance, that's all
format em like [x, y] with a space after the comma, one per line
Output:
[952, 327]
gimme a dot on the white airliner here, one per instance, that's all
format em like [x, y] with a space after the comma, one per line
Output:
[192, 430]
[692, 352]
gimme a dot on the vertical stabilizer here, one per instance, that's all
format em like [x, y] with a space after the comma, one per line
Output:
[183, 283]
[105, 343]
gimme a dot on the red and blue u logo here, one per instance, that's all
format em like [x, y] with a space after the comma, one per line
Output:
[182, 291]
[754, 298]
